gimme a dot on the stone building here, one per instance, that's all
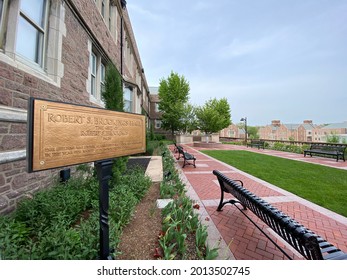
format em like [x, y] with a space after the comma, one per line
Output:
[286, 132]
[58, 50]
[323, 132]
[155, 115]
[232, 131]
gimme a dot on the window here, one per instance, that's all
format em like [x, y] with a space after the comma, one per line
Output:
[93, 70]
[102, 77]
[31, 35]
[128, 99]
[156, 106]
[157, 124]
[110, 10]
[96, 77]
[103, 8]
[3, 4]
[31, 30]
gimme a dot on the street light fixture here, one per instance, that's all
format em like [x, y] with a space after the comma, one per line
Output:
[245, 120]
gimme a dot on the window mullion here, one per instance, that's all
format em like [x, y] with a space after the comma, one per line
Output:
[28, 19]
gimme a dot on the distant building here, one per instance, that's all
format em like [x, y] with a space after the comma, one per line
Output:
[155, 115]
[322, 133]
[232, 131]
[286, 132]
[305, 132]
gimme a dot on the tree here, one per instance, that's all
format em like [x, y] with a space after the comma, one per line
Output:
[213, 116]
[189, 122]
[252, 132]
[333, 138]
[112, 95]
[173, 96]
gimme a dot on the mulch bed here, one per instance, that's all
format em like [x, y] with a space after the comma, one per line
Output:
[141, 162]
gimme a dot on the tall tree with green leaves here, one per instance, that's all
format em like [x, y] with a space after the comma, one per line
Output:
[112, 95]
[173, 96]
[188, 119]
[213, 116]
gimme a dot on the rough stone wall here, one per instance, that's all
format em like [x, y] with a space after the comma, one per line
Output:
[16, 86]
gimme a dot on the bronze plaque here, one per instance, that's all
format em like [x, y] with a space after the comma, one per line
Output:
[62, 134]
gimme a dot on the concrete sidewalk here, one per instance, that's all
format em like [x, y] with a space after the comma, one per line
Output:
[232, 232]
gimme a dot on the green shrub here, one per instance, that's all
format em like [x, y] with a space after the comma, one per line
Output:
[62, 222]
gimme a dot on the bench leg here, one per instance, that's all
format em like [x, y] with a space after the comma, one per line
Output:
[220, 206]
[231, 201]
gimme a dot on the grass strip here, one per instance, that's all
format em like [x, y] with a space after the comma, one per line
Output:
[325, 186]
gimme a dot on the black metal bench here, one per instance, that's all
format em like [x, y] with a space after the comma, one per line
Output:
[188, 158]
[307, 243]
[176, 148]
[336, 151]
[256, 143]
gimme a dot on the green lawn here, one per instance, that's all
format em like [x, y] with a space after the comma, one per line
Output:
[322, 185]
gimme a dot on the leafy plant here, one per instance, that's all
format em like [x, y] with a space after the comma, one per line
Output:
[63, 222]
[213, 116]
[180, 221]
[173, 94]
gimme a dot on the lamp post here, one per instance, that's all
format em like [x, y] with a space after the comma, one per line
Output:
[245, 120]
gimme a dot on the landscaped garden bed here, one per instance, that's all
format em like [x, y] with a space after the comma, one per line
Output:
[62, 222]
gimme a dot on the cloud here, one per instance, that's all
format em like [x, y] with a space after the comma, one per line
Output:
[241, 48]
[267, 58]
[141, 13]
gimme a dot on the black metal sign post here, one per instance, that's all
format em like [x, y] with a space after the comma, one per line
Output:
[104, 172]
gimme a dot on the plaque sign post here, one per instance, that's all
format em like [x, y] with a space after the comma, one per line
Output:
[104, 172]
[62, 134]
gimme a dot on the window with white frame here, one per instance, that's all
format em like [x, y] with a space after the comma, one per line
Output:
[93, 70]
[157, 124]
[96, 80]
[103, 8]
[3, 5]
[31, 35]
[128, 99]
[102, 77]
[32, 30]
[110, 12]
[1, 8]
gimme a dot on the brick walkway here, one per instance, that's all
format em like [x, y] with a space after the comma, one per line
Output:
[230, 226]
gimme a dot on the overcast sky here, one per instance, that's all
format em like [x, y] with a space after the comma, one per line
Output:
[271, 59]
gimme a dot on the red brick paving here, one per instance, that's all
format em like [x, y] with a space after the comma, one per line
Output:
[244, 240]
